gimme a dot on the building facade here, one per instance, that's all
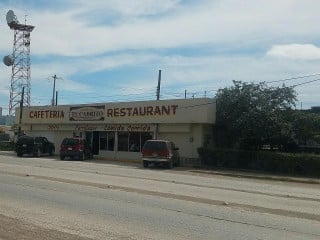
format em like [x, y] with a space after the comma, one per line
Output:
[118, 130]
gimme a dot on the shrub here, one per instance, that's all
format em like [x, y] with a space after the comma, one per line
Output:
[275, 162]
[7, 146]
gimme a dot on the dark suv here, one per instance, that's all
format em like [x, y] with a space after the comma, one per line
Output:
[34, 145]
[75, 148]
[160, 152]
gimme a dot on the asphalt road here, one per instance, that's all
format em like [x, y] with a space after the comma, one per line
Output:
[45, 198]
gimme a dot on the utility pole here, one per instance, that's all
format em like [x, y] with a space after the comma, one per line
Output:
[158, 98]
[56, 98]
[53, 102]
[21, 108]
[158, 88]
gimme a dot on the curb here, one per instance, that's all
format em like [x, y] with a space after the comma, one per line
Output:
[260, 177]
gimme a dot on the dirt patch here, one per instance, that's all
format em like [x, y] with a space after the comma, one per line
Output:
[13, 229]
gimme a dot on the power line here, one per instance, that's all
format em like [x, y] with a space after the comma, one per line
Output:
[293, 78]
[149, 93]
[315, 80]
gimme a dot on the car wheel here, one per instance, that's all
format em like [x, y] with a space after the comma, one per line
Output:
[170, 164]
[62, 157]
[177, 163]
[145, 164]
[51, 152]
[19, 154]
[37, 153]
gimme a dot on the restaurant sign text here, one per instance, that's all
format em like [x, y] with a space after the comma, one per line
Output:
[88, 113]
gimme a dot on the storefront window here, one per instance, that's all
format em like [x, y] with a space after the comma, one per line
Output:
[106, 141]
[103, 138]
[127, 141]
[111, 140]
[123, 141]
[134, 140]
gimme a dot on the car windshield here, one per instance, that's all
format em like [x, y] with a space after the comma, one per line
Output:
[155, 145]
[38, 139]
[25, 139]
[70, 141]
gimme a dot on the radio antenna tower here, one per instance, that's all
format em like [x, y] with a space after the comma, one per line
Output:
[20, 62]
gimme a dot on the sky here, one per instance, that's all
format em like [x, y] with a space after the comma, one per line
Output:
[112, 50]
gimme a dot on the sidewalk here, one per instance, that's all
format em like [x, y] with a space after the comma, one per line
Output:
[257, 175]
[234, 173]
[222, 172]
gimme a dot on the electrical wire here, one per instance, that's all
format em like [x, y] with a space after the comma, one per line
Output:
[294, 78]
[149, 94]
[315, 80]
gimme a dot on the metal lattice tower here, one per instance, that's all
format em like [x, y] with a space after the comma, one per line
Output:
[21, 74]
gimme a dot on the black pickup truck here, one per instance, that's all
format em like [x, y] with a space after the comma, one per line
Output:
[35, 146]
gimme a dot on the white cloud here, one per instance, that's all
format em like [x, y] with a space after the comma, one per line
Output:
[295, 51]
[223, 39]
[91, 64]
[129, 8]
[71, 32]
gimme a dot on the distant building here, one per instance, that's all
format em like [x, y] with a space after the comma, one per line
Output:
[5, 127]
[2, 120]
[6, 120]
[315, 109]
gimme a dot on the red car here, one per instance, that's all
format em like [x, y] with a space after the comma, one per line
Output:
[75, 148]
[160, 152]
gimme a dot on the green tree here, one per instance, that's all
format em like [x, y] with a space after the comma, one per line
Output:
[250, 115]
[306, 126]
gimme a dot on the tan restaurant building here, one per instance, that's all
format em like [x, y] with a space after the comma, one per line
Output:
[118, 130]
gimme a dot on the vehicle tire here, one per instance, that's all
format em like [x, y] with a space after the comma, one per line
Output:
[51, 152]
[177, 163]
[19, 154]
[37, 153]
[62, 157]
[145, 164]
[170, 164]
